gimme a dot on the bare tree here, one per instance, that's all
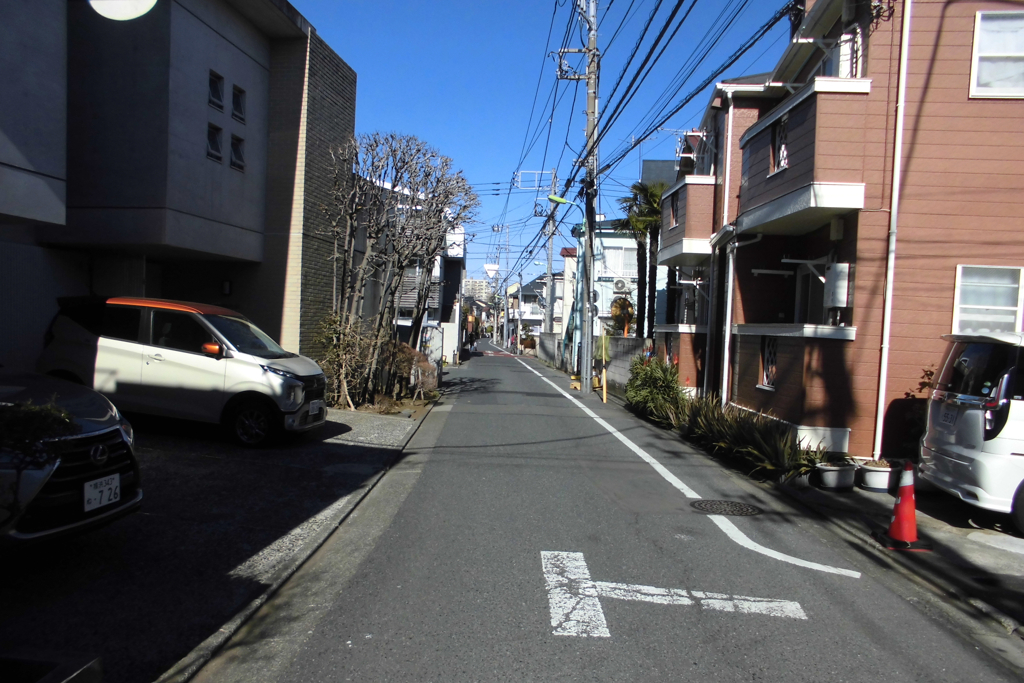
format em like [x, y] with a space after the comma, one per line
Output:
[399, 198]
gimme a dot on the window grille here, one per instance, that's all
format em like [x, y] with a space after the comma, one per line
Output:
[997, 68]
[769, 356]
[987, 299]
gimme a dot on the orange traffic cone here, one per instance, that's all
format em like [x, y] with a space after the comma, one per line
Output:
[902, 534]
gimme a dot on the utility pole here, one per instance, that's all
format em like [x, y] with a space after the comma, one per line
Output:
[549, 313]
[588, 11]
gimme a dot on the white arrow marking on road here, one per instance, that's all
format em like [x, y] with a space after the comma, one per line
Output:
[576, 606]
[721, 522]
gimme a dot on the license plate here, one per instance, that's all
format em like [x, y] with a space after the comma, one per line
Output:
[100, 492]
[315, 407]
[949, 414]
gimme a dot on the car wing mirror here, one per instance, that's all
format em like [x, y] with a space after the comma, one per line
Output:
[211, 348]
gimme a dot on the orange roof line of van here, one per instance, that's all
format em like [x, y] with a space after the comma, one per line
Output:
[186, 306]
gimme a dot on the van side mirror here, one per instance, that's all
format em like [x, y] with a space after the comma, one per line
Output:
[211, 348]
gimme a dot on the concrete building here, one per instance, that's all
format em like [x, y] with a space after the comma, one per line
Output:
[842, 217]
[183, 154]
[477, 289]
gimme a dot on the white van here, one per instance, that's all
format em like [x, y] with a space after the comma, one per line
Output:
[973, 446]
[185, 360]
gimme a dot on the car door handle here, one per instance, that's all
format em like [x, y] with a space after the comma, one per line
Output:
[157, 357]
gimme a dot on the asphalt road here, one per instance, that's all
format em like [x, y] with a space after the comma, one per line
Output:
[529, 536]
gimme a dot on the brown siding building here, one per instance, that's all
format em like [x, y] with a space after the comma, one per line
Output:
[829, 223]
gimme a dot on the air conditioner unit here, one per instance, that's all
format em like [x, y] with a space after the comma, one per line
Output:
[621, 285]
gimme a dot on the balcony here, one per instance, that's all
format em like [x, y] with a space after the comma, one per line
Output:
[804, 162]
[687, 220]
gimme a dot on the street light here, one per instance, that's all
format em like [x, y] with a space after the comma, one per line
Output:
[587, 343]
[122, 10]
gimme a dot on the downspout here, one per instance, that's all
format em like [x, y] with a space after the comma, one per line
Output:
[730, 268]
[714, 252]
[727, 319]
[890, 262]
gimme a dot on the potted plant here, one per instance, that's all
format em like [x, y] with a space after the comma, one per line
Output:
[836, 473]
[875, 475]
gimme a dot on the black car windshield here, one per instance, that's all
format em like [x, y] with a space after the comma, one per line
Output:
[246, 337]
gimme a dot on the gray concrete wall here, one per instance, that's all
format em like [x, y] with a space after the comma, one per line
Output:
[33, 110]
[214, 207]
[31, 279]
[549, 349]
[621, 351]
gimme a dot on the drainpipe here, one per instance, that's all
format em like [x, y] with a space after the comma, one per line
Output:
[890, 262]
[711, 320]
[730, 268]
[726, 192]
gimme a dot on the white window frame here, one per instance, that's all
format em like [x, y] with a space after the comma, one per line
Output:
[1019, 311]
[779, 145]
[769, 370]
[990, 93]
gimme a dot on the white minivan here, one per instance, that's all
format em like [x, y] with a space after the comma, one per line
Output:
[185, 360]
[973, 445]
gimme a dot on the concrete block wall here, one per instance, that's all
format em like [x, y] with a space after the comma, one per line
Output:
[621, 351]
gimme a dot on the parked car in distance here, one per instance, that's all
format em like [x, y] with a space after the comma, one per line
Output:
[89, 478]
[186, 360]
[973, 446]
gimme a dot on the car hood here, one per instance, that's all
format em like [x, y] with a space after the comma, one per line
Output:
[91, 411]
[300, 365]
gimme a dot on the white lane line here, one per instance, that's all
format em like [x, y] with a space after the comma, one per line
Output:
[739, 537]
[724, 524]
[574, 598]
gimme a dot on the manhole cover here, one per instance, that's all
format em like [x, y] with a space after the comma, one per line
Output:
[726, 507]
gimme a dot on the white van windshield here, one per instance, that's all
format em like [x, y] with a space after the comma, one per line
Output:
[975, 368]
[246, 337]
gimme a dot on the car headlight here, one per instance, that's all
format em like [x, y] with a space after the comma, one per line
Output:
[128, 433]
[279, 372]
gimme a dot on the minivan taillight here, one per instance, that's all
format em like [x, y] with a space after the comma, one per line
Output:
[997, 408]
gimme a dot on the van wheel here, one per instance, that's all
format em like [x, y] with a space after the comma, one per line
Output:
[1017, 512]
[253, 424]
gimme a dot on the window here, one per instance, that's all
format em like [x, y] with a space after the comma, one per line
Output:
[618, 262]
[997, 69]
[238, 104]
[179, 331]
[780, 153]
[810, 297]
[237, 153]
[213, 145]
[844, 59]
[987, 299]
[769, 361]
[673, 220]
[121, 322]
[216, 91]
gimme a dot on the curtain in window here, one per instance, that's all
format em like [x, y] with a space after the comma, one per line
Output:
[988, 300]
[1001, 52]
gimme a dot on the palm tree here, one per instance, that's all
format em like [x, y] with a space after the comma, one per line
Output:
[642, 222]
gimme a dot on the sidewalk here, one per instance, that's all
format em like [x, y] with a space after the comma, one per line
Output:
[977, 556]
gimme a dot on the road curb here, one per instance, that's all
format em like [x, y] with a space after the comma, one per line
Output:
[191, 664]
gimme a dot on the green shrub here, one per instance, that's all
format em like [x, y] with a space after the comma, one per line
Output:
[653, 391]
[754, 441]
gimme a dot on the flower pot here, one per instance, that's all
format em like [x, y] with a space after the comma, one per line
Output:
[836, 477]
[874, 478]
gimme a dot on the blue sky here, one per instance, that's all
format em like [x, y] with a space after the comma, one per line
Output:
[463, 76]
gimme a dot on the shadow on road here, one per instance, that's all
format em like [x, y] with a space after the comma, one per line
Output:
[215, 524]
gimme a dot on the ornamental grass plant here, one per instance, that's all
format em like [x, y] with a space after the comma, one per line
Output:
[653, 391]
[756, 442]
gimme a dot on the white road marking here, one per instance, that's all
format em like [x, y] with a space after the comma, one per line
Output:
[724, 524]
[575, 603]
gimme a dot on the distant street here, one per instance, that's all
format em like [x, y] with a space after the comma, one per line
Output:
[524, 536]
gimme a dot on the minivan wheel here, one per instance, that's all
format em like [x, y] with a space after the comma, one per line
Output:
[1017, 512]
[253, 423]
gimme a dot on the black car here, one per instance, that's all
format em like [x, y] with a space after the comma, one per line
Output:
[90, 478]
